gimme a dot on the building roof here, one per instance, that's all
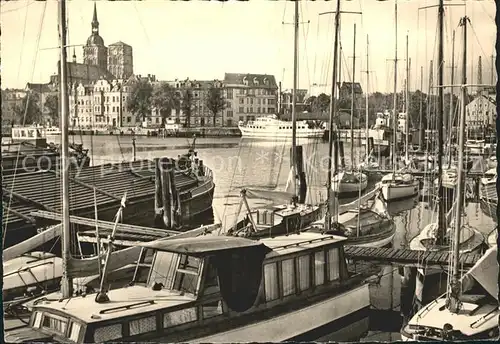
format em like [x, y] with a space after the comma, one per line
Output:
[348, 86]
[85, 72]
[119, 43]
[238, 79]
[39, 88]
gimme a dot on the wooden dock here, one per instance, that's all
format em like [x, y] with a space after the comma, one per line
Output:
[407, 257]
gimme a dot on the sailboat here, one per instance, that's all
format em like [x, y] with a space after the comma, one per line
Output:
[294, 214]
[488, 193]
[435, 236]
[469, 309]
[363, 224]
[351, 181]
[398, 184]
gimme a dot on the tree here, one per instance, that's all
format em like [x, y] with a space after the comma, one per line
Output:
[309, 103]
[322, 103]
[140, 99]
[215, 101]
[28, 106]
[187, 106]
[164, 99]
[52, 105]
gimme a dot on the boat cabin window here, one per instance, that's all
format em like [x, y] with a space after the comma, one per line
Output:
[296, 273]
[319, 268]
[271, 281]
[143, 325]
[108, 333]
[303, 263]
[288, 277]
[333, 264]
[211, 282]
[175, 272]
[57, 324]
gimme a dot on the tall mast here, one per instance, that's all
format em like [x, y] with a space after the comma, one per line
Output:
[294, 96]
[420, 119]
[453, 302]
[441, 225]
[450, 119]
[330, 211]
[407, 100]
[66, 280]
[366, 99]
[394, 119]
[352, 97]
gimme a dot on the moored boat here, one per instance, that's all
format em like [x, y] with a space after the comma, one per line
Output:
[270, 127]
[399, 185]
[348, 183]
[199, 297]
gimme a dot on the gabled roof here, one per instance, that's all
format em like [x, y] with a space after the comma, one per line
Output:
[39, 88]
[238, 79]
[84, 72]
[119, 43]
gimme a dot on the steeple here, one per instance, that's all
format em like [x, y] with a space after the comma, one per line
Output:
[74, 56]
[95, 23]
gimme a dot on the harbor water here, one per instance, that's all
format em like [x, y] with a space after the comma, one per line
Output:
[239, 163]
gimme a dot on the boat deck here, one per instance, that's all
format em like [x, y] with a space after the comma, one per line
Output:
[408, 257]
[24, 193]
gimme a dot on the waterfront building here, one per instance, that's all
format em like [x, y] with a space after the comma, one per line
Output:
[287, 101]
[11, 97]
[481, 111]
[120, 60]
[249, 96]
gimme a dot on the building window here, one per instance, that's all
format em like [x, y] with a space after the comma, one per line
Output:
[229, 113]
[229, 94]
[229, 122]
[240, 110]
[241, 118]
[242, 101]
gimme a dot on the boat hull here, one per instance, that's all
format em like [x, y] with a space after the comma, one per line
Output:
[394, 192]
[281, 134]
[300, 323]
[352, 188]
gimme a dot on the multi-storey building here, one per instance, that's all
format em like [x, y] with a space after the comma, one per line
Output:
[11, 98]
[120, 60]
[481, 111]
[287, 101]
[249, 96]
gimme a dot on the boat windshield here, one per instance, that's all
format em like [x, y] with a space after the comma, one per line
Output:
[175, 271]
[56, 324]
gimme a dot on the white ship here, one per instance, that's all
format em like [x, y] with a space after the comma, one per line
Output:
[271, 126]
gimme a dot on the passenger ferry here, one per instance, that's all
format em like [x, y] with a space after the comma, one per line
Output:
[214, 289]
[35, 132]
[272, 127]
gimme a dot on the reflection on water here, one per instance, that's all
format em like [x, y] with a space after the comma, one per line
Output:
[241, 163]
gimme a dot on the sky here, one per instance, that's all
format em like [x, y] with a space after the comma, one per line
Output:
[203, 40]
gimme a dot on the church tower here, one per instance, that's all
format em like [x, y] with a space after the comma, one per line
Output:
[94, 52]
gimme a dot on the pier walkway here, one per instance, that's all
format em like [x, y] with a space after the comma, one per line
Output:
[407, 257]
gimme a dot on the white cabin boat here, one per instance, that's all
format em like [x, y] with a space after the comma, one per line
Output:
[214, 289]
[398, 186]
[35, 132]
[272, 127]
[348, 183]
[478, 147]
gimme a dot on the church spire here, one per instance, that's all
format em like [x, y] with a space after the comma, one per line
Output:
[74, 55]
[95, 23]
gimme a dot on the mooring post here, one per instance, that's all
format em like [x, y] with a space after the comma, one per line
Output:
[158, 197]
[165, 188]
